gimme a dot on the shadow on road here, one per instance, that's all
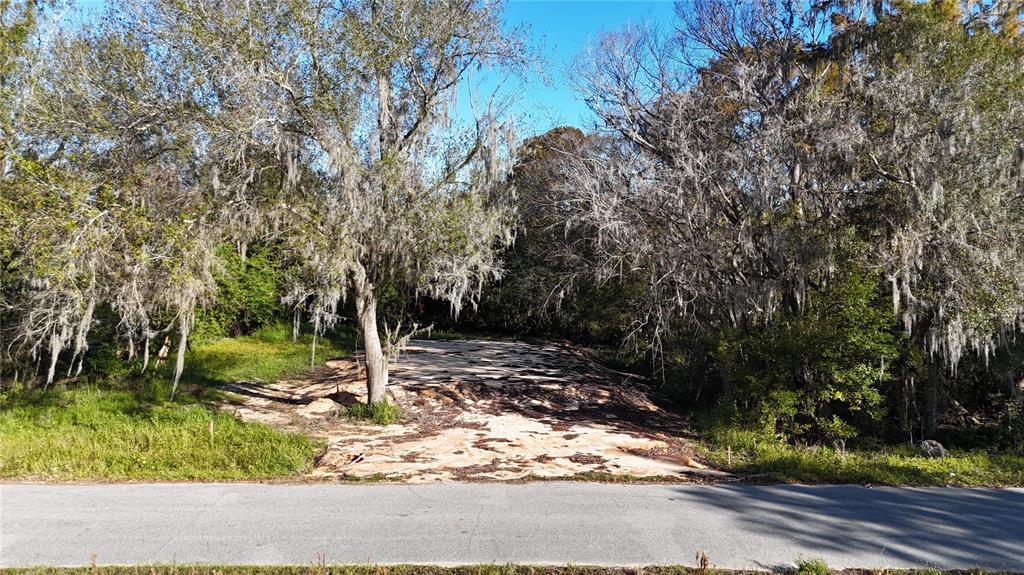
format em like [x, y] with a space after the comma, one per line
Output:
[922, 526]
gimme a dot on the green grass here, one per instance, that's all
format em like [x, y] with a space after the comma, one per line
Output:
[381, 413]
[118, 434]
[265, 356]
[129, 431]
[768, 459]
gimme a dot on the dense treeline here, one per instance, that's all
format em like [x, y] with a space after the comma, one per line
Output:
[136, 147]
[807, 216]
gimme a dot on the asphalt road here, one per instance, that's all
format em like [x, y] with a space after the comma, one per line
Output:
[738, 526]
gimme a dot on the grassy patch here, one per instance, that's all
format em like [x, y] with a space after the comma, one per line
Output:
[130, 431]
[96, 433]
[265, 356]
[381, 413]
[770, 459]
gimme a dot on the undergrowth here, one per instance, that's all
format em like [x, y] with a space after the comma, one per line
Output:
[770, 458]
[381, 413]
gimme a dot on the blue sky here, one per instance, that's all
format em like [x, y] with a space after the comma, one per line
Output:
[559, 29]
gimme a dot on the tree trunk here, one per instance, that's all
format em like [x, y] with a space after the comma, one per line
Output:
[184, 324]
[376, 361]
[55, 345]
[906, 397]
[931, 399]
[81, 360]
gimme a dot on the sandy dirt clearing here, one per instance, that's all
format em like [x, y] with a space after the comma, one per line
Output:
[482, 411]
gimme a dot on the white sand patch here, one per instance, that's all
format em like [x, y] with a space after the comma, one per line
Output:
[479, 410]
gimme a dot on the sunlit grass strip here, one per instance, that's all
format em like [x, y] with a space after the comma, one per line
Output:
[108, 434]
[129, 431]
[768, 459]
[265, 356]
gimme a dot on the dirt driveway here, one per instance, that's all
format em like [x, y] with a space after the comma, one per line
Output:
[482, 411]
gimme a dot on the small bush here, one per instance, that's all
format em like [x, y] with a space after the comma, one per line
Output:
[812, 567]
[816, 374]
[247, 294]
[382, 413]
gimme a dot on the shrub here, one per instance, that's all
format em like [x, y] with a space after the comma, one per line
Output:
[812, 567]
[248, 294]
[815, 373]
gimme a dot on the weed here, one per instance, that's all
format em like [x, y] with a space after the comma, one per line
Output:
[703, 563]
[381, 413]
[812, 567]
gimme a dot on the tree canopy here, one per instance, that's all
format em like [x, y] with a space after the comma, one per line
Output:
[812, 205]
[328, 126]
